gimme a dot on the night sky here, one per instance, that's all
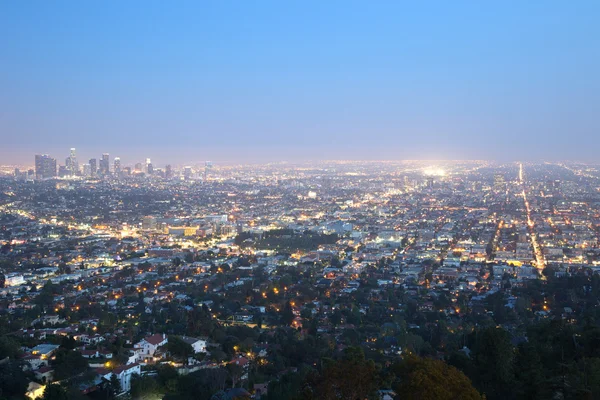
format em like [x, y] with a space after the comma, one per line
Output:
[255, 81]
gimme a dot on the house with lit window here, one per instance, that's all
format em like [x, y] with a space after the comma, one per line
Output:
[146, 348]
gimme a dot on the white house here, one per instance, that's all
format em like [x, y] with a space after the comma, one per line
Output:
[132, 358]
[124, 374]
[89, 339]
[199, 345]
[146, 347]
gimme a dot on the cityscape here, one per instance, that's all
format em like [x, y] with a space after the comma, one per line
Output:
[245, 276]
[315, 200]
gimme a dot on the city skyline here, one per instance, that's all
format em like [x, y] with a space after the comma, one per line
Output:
[299, 200]
[253, 83]
[228, 272]
[128, 160]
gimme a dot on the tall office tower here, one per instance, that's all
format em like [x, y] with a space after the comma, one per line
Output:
[87, 170]
[68, 166]
[150, 169]
[45, 166]
[105, 164]
[117, 166]
[138, 167]
[169, 172]
[71, 164]
[39, 166]
[62, 171]
[93, 163]
[187, 173]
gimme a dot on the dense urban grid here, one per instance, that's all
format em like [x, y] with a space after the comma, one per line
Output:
[325, 280]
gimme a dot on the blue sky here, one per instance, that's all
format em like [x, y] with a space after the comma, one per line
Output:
[272, 80]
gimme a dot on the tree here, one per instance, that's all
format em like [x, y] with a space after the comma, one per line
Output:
[426, 379]
[13, 380]
[68, 342]
[142, 386]
[351, 377]
[287, 387]
[235, 371]
[68, 363]
[46, 297]
[166, 375]
[494, 357]
[529, 372]
[592, 375]
[9, 348]
[287, 314]
[336, 317]
[115, 385]
[199, 385]
[179, 348]
[189, 257]
[54, 392]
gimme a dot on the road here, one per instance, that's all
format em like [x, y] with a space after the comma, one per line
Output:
[540, 261]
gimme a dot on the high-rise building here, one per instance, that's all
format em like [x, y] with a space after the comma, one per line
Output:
[105, 164]
[138, 167]
[117, 166]
[38, 166]
[93, 163]
[71, 164]
[168, 172]
[149, 167]
[45, 166]
[187, 173]
[87, 170]
[63, 171]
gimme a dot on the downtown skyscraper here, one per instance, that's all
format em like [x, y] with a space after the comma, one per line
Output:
[45, 166]
[105, 164]
[72, 166]
[117, 166]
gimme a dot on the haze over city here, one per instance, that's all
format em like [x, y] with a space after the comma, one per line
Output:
[334, 200]
[267, 81]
